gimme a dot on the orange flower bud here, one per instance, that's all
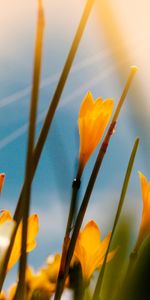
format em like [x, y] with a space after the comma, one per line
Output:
[90, 250]
[92, 121]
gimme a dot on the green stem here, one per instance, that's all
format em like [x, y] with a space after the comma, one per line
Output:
[47, 124]
[77, 282]
[56, 98]
[87, 293]
[101, 154]
[26, 198]
[71, 215]
[98, 287]
[132, 260]
[21, 292]
[133, 71]
[75, 188]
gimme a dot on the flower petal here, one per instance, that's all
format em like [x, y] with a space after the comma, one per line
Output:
[6, 230]
[2, 296]
[33, 227]
[86, 105]
[2, 179]
[145, 221]
[90, 251]
[90, 236]
[92, 122]
[5, 216]
[145, 189]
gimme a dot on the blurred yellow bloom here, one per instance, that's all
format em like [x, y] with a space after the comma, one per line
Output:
[2, 178]
[35, 283]
[5, 216]
[33, 228]
[12, 291]
[2, 296]
[52, 268]
[7, 226]
[38, 283]
[145, 222]
[90, 250]
[92, 121]
[41, 293]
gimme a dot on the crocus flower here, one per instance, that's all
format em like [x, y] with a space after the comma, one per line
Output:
[2, 178]
[145, 222]
[33, 227]
[92, 121]
[90, 250]
[36, 283]
[52, 267]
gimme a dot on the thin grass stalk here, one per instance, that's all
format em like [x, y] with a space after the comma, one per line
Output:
[30, 147]
[101, 154]
[21, 291]
[97, 291]
[47, 124]
[72, 210]
[56, 97]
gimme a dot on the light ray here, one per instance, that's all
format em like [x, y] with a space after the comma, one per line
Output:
[76, 93]
[68, 99]
[52, 79]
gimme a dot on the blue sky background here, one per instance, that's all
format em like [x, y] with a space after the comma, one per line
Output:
[94, 69]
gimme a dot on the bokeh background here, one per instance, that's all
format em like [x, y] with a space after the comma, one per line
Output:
[117, 35]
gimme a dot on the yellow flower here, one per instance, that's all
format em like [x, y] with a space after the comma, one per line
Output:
[33, 228]
[5, 216]
[38, 283]
[35, 283]
[42, 292]
[90, 250]
[52, 268]
[92, 121]
[2, 296]
[7, 226]
[12, 291]
[145, 222]
[2, 178]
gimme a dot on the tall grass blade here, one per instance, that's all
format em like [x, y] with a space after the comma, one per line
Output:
[97, 291]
